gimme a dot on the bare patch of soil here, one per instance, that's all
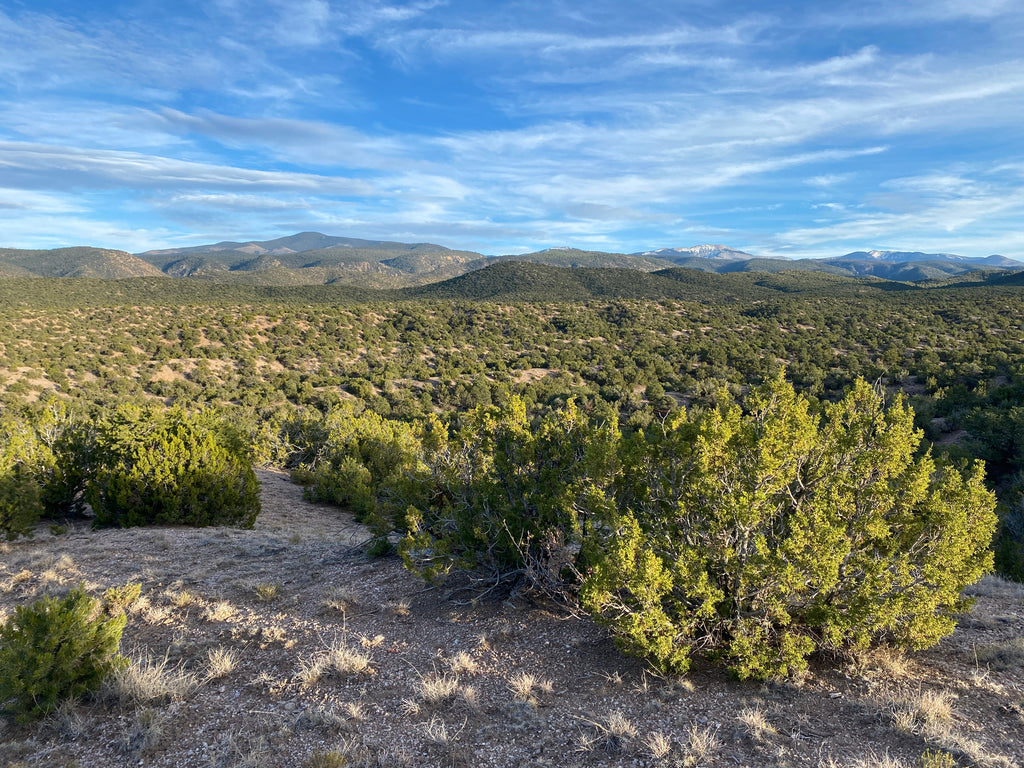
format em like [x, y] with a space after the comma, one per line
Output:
[295, 648]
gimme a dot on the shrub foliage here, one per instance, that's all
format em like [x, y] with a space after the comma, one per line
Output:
[170, 468]
[509, 497]
[760, 534]
[44, 463]
[348, 455]
[55, 649]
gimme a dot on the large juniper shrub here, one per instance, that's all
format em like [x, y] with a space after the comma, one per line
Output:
[759, 534]
[171, 468]
[512, 496]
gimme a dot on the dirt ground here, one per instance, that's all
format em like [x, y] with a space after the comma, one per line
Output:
[287, 646]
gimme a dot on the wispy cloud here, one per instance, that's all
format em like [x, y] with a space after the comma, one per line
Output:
[600, 124]
[43, 166]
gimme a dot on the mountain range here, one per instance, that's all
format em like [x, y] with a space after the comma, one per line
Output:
[312, 258]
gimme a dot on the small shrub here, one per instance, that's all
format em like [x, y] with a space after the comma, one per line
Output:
[936, 759]
[267, 591]
[119, 599]
[55, 649]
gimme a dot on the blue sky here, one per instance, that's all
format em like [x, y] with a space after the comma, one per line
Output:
[788, 129]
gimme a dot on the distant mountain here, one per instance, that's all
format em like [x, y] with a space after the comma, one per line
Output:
[577, 259]
[74, 262]
[912, 256]
[679, 255]
[303, 241]
[312, 258]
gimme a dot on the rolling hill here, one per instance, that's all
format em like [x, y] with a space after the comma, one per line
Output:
[74, 262]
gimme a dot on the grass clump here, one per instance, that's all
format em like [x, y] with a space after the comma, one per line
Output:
[1004, 656]
[146, 680]
[339, 659]
[55, 649]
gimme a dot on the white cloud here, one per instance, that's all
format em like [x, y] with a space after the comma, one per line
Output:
[43, 166]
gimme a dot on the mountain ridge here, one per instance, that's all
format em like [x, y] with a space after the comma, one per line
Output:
[313, 258]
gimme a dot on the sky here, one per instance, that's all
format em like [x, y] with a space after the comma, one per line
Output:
[800, 129]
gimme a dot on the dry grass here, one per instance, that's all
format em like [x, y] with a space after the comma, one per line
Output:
[145, 680]
[701, 743]
[66, 720]
[222, 610]
[929, 714]
[436, 689]
[524, 684]
[875, 760]
[1002, 657]
[617, 724]
[398, 607]
[471, 696]
[144, 732]
[880, 661]
[182, 598]
[463, 663]
[338, 658]
[340, 600]
[438, 732]
[658, 745]
[331, 759]
[610, 733]
[220, 662]
[756, 723]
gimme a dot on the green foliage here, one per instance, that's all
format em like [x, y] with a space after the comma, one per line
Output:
[347, 456]
[56, 649]
[510, 496]
[1009, 545]
[936, 759]
[759, 535]
[170, 468]
[43, 465]
[117, 600]
[642, 341]
[21, 504]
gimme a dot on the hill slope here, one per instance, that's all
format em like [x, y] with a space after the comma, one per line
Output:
[74, 262]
